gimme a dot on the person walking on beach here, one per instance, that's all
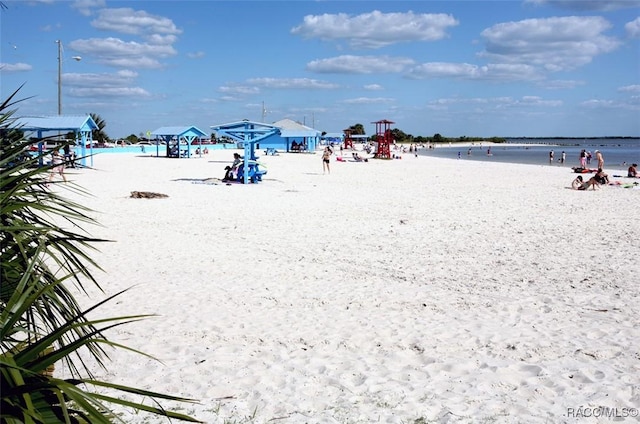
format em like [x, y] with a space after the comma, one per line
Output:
[551, 156]
[326, 160]
[600, 159]
[57, 166]
[563, 157]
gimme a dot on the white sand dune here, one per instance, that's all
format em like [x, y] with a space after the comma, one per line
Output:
[402, 291]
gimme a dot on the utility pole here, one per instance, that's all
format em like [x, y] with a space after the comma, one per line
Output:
[59, 77]
[77, 59]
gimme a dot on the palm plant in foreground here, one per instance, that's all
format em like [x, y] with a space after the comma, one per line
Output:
[41, 322]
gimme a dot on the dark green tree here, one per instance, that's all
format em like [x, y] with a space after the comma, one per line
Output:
[99, 135]
[357, 129]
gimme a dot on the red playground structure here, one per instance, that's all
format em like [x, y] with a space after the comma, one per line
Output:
[348, 141]
[384, 138]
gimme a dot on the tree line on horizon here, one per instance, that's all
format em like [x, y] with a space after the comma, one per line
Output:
[403, 138]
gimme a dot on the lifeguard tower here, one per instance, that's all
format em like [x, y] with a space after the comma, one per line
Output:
[348, 141]
[384, 138]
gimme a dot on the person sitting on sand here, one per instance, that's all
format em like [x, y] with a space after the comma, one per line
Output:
[632, 172]
[601, 177]
[358, 158]
[580, 184]
[231, 170]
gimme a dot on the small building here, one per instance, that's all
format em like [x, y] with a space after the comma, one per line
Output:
[292, 137]
[60, 125]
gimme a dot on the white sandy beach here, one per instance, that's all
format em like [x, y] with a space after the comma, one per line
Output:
[405, 291]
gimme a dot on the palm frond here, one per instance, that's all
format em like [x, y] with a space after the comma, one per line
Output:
[46, 256]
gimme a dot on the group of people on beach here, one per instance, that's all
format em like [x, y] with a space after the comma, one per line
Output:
[600, 177]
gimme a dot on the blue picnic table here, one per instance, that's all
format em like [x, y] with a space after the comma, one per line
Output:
[255, 172]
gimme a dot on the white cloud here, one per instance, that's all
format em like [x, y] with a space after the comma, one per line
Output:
[560, 84]
[109, 92]
[294, 83]
[373, 87]
[501, 72]
[495, 102]
[588, 5]
[376, 29]
[115, 52]
[196, 55]
[368, 100]
[239, 89]
[14, 67]
[630, 88]
[633, 28]
[85, 7]
[349, 64]
[555, 44]
[117, 84]
[129, 21]
[123, 78]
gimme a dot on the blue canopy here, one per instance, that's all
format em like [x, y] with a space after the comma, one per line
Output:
[248, 133]
[174, 135]
[81, 126]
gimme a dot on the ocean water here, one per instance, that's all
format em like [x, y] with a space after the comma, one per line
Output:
[618, 153]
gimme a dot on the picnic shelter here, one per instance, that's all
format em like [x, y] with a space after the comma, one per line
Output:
[81, 126]
[247, 134]
[178, 140]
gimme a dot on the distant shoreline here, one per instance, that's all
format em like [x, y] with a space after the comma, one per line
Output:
[575, 138]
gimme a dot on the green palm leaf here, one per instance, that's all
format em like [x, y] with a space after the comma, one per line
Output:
[42, 263]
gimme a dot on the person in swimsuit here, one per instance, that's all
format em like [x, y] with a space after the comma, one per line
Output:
[326, 159]
[57, 162]
[600, 159]
[580, 184]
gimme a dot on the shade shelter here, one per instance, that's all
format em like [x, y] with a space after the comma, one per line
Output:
[248, 134]
[81, 126]
[305, 138]
[177, 140]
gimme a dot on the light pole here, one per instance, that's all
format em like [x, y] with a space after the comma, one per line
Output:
[77, 59]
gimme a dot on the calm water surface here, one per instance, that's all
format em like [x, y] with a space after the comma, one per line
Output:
[618, 153]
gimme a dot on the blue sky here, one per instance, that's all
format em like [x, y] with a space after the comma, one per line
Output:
[532, 68]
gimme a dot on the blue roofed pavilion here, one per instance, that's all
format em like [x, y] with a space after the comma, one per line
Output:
[178, 140]
[248, 133]
[81, 126]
